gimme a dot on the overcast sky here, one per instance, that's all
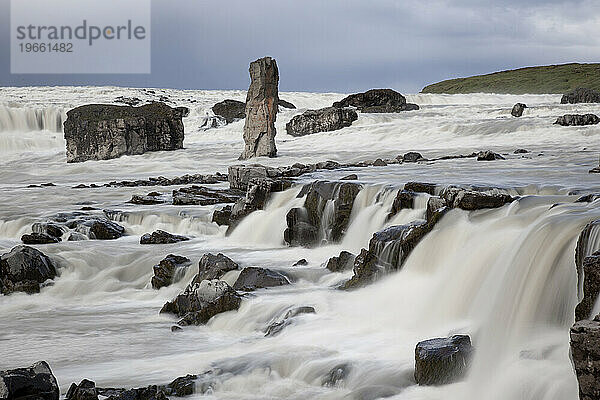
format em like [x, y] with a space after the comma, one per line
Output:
[345, 45]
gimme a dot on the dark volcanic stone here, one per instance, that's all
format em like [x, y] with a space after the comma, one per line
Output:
[23, 269]
[33, 383]
[577, 120]
[351, 177]
[48, 228]
[301, 262]
[86, 390]
[377, 101]
[581, 95]
[404, 199]
[102, 131]
[39, 238]
[518, 109]
[213, 266]
[473, 200]
[442, 361]
[161, 237]
[585, 353]
[146, 200]
[521, 151]
[393, 245]
[323, 120]
[222, 216]
[285, 104]
[98, 228]
[230, 110]
[489, 155]
[168, 269]
[276, 327]
[252, 278]
[420, 187]
[591, 286]
[342, 262]
[412, 156]
[203, 196]
[365, 270]
[336, 375]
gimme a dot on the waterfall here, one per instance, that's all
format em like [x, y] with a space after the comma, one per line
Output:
[26, 119]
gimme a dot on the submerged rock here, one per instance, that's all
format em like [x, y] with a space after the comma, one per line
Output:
[261, 109]
[336, 375]
[591, 286]
[276, 327]
[49, 228]
[518, 109]
[161, 237]
[323, 120]
[343, 262]
[213, 266]
[577, 120]
[443, 360]
[581, 95]
[230, 110]
[39, 238]
[393, 245]
[103, 131]
[365, 270]
[168, 269]
[24, 269]
[253, 278]
[202, 301]
[377, 101]
[473, 200]
[300, 232]
[222, 216]
[32, 383]
[404, 199]
[585, 353]
[489, 155]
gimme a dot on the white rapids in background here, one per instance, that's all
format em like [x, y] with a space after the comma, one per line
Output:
[505, 276]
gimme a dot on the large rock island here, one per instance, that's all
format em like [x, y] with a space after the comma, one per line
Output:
[104, 131]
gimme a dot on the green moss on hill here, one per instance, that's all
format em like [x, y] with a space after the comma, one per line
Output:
[535, 80]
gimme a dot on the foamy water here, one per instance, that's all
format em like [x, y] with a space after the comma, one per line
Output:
[506, 276]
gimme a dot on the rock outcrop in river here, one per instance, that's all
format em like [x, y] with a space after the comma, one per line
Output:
[585, 353]
[518, 109]
[261, 109]
[24, 269]
[103, 131]
[377, 101]
[323, 120]
[36, 382]
[443, 360]
[581, 95]
[577, 120]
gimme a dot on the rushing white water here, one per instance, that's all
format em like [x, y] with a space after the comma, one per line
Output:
[506, 277]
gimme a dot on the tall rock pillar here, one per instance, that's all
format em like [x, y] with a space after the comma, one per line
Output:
[261, 109]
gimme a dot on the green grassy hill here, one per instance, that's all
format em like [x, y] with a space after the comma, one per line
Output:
[534, 80]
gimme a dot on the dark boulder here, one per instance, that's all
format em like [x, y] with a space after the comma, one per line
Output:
[436, 208]
[258, 193]
[442, 361]
[222, 216]
[521, 151]
[168, 270]
[130, 101]
[49, 228]
[577, 120]
[377, 101]
[591, 286]
[420, 187]
[365, 270]
[351, 177]
[86, 390]
[276, 327]
[588, 198]
[489, 155]
[581, 95]
[253, 278]
[230, 110]
[213, 266]
[379, 163]
[146, 200]
[151, 392]
[161, 237]
[323, 120]
[343, 262]
[33, 383]
[240, 175]
[300, 232]
[285, 104]
[404, 199]
[336, 375]
[411, 156]
[473, 200]
[99, 228]
[393, 245]
[202, 301]
[203, 196]
[102, 131]
[300, 263]
[518, 109]
[585, 353]
[39, 238]
[24, 269]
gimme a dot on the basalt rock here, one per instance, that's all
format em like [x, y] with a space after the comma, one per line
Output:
[168, 270]
[323, 120]
[240, 175]
[261, 109]
[86, 390]
[365, 270]
[230, 110]
[161, 237]
[411, 156]
[577, 120]
[351, 177]
[213, 266]
[420, 187]
[24, 269]
[202, 301]
[336, 375]
[203, 196]
[146, 200]
[404, 199]
[276, 327]
[102, 131]
[300, 232]
[587, 247]
[489, 155]
[377, 101]
[340, 263]
[436, 208]
[443, 360]
[585, 353]
[253, 278]
[222, 216]
[591, 286]
[39, 238]
[48, 228]
[473, 200]
[286, 104]
[33, 383]
[581, 95]
[187, 179]
[393, 245]
[518, 109]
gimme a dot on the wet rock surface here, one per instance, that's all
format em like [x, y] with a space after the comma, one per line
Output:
[322, 120]
[161, 237]
[365, 271]
[377, 101]
[489, 155]
[213, 266]
[585, 353]
[202, 301]
[39, 238]
[287, 319]
[168, 270]
[467, 199]
[443, 360]
[518, 109]
[203, 196]
[85, 390]
[577, 120]
[36, 382]
[253, 278]
[581, 95]
[102, 131]
[591, 286]
[230, 110]
[343, 262]
[25, 269]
